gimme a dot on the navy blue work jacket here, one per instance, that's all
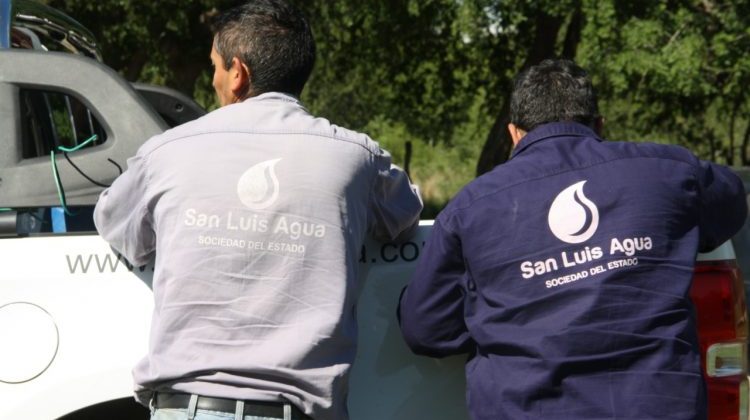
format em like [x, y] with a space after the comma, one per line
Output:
[564, 273]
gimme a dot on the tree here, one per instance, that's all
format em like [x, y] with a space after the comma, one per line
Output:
[673, 72]
[438, 73]
[540, 30]
[163, 42]
[669, 71]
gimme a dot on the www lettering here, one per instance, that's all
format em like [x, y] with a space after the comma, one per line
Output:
[106, 263]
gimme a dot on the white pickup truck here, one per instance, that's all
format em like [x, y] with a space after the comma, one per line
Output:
[74, 316]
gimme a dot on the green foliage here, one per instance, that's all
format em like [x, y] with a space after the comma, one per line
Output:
[672, 72]
[162, 42]
[440, 171]
[437, 73]
[403, 61]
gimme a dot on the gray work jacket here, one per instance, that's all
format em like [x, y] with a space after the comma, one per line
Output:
[256, 214]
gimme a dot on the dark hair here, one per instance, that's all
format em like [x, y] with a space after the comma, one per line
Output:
[273, 39]
[553, 91]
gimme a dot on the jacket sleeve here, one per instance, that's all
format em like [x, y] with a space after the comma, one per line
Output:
[431, 308]
[723, 205]
[395, 203]
[122, 216]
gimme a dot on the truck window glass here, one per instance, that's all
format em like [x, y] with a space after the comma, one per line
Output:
[41, 220]
[53, 119]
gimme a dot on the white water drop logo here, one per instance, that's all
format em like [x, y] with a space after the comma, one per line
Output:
[258, 187]
[573, 218]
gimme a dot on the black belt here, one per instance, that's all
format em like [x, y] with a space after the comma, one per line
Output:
[252, 408]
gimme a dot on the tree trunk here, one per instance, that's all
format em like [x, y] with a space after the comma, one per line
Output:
[498, 145]
[745, 143]
[132, 69]
[573, 34]
[732, 123]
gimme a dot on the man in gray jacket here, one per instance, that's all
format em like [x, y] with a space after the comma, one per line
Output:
[255, 214]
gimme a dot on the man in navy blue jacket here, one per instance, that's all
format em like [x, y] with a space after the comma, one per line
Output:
[564, 273]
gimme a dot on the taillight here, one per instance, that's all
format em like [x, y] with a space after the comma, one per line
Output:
[718, 294]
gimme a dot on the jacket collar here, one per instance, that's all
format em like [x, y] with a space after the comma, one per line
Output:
[274, 96]
[555, 129]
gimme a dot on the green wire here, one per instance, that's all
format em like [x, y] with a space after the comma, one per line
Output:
[56, 175]
[58, 184]
[78, 147]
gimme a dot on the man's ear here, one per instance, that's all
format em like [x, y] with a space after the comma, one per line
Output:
[516, 134]
[239, 79]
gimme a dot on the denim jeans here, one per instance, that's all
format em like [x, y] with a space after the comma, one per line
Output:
[182, 414]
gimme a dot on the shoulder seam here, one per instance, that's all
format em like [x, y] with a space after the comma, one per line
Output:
[562, 172]
[302, 133]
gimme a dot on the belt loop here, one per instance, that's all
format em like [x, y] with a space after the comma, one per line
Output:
[287, 411]
[152, 404]
[239, 410]
[192, 407]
